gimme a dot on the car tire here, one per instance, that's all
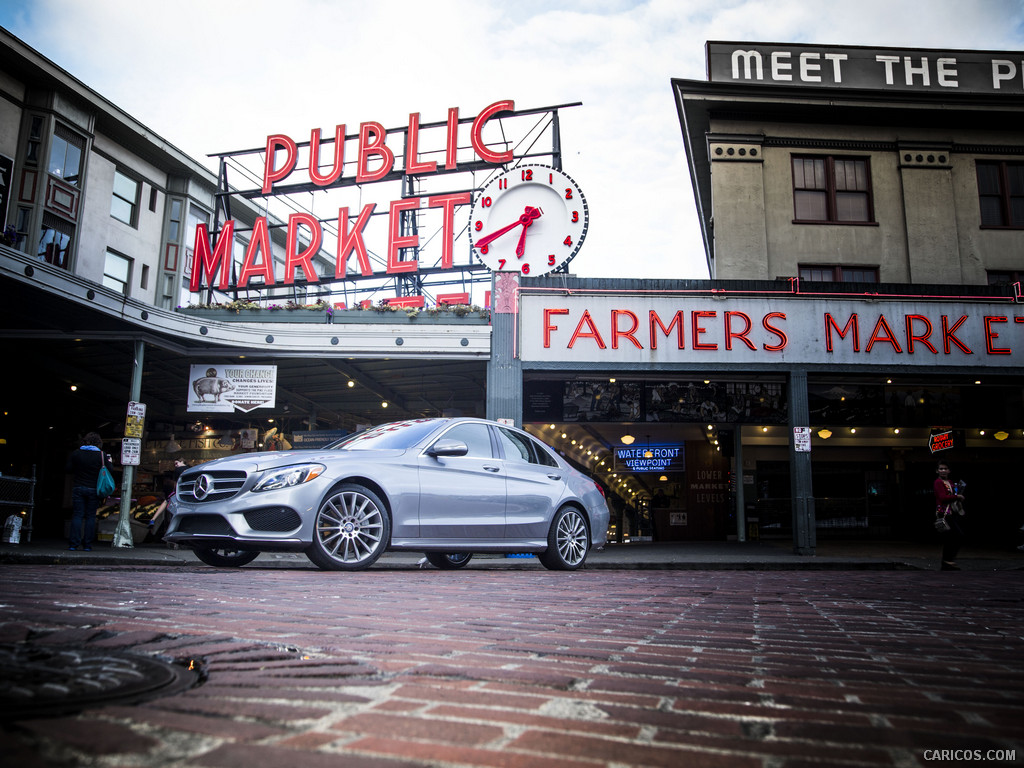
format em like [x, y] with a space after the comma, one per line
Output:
[449, 561]
[351, 530]
[221, 557]
[568, 541]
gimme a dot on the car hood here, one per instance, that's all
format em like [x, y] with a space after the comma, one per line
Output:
[258, 462]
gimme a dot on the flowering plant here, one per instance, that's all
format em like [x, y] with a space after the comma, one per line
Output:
[10, 236]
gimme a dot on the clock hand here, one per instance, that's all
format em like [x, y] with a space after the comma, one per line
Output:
[521, 245]
[529, 214]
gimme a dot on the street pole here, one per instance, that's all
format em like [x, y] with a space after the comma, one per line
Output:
[123, 534]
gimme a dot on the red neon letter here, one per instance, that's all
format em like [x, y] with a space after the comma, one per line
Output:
[398, 241]
[851, 325]
[451, 153]
[292, 259]
[314, 157]
[991, 336]
[730, 334]
[349, 242]
[783, 339]
[912, 337]
[374, 146]
[218, 261]
[949, 335]
[699, 330]
[677, 322]
[260, 241]
[593, 333]
[447, 203]
[548, 327]
[412, 142]
[882, 332]
[478, 126]
[616, 333]
[270, 174]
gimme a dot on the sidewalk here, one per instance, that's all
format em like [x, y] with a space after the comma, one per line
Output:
[709, 555]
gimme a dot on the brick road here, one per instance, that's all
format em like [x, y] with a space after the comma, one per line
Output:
[530, 669]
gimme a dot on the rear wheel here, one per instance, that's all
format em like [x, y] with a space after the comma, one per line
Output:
[225, 558]
[352, 529]
[449, 561]
[568, 541]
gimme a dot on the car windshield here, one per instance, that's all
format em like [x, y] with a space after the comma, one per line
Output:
[396, 435]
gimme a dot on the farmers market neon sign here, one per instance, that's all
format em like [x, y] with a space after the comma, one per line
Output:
[375, 161]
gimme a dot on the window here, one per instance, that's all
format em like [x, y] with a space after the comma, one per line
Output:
[835, 274]
[117, 271]
[1001, 193]
[174, 222]
[55, 241]
[66, 155]
[518, 447]
[476, 436]
[829, 189]
[1004, 277]
[125, 199]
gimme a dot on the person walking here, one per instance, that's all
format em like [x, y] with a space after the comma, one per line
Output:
[83, 465]
[948, 513]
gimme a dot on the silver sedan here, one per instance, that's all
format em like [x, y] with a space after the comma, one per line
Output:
[445, 487]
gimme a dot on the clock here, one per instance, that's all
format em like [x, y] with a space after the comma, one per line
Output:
[531, 219]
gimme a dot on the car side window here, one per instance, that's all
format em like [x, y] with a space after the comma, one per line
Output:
[517, 447]
[476, 436]
[544, 457]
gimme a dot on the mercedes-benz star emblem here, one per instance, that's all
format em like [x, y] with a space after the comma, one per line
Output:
[204, 483]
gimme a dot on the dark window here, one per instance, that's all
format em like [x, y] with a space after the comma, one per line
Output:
[66, 155]
[831, 190]
[826, 274]
[125, 198]
[1004, 277]
[1001, 193]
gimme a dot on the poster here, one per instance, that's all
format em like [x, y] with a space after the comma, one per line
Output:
[230, 388]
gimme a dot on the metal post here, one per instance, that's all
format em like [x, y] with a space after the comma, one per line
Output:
[804, 531]
[505, 369]
[737, 477]
[123, 534]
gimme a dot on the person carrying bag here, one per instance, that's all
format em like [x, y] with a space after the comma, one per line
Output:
[949, 511]
[87, 466]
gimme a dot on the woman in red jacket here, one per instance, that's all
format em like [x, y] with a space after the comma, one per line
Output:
[947, 494]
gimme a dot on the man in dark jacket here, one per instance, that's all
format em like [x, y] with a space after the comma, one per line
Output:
[84, 467]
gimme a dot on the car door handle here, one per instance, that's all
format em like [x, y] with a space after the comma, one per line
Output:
[491, 468]
[553, 476]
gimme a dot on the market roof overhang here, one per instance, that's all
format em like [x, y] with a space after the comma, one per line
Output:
[699, 103]
[59, 329]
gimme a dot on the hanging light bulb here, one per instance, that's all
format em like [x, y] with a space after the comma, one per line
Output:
[172, 446]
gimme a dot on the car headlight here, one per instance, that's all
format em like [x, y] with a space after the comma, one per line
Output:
[286, 477]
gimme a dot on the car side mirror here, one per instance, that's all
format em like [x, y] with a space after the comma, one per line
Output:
[448, 448]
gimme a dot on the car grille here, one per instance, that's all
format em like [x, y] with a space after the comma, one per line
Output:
[222, 485]
[211, 525]
[278, 519]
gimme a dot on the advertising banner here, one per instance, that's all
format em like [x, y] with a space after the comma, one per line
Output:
[229, 388]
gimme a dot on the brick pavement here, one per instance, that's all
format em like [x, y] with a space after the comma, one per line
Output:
[530, 669]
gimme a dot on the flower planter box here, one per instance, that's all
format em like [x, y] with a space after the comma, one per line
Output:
[258, 315]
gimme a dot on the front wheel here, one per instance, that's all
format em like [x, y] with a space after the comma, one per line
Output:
[568, 541]
[449, 561]
[225, 558]
[351, 530]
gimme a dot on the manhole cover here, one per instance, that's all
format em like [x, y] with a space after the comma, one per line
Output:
[43, 681]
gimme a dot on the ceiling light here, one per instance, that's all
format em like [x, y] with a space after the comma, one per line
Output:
[384, 404]
[627, 439]
[663, 479]
[74, 387]
[853, 430]
[825, 433]
[1001, 435]
[351, 383]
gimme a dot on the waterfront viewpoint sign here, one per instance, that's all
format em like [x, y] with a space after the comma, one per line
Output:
[375, 161]
[889, 69]
[724, 330]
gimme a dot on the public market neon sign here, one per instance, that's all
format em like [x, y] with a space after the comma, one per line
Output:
[375, 160]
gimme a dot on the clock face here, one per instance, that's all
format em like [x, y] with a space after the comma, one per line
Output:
[531, 219]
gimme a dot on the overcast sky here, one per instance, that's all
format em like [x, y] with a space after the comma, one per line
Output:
[218, 75]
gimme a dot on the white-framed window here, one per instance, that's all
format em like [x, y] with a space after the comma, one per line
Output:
[117, 272]
[125, 200]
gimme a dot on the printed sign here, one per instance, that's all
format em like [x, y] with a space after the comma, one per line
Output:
[802, 439]
[135, 420]
[229, 388]
[131, 452]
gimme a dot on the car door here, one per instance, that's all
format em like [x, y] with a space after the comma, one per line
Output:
[463, 497]
[535, 486]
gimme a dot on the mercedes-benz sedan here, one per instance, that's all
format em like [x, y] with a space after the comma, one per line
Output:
[445, 487]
